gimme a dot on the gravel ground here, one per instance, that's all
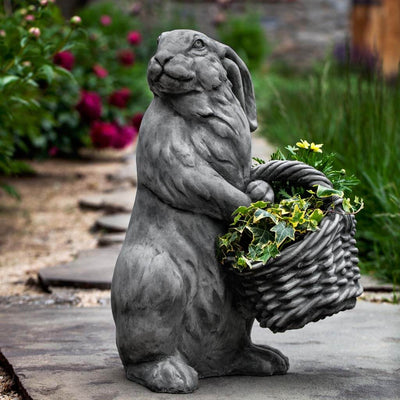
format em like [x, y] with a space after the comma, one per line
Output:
[47, 228]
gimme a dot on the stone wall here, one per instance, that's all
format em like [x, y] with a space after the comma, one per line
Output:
[300, 31]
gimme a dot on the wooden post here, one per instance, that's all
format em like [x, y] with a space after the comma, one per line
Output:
[391, 38]
[376, 28]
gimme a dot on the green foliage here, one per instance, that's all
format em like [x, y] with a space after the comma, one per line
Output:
[260, 231]
[359, 120]
[245, 34]
[28, 39]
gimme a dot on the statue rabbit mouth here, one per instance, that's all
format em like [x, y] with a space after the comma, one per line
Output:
[169, 80]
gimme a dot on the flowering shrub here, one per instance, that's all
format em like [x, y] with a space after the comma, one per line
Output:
[71, 74]
[30, 39]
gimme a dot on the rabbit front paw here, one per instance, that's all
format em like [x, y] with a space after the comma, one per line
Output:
[260, 190]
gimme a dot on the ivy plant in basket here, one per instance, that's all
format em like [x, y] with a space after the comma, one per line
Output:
[295, 260]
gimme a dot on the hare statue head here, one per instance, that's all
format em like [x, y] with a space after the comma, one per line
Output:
[188, 62]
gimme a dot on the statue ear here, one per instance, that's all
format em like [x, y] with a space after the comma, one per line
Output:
[242, 86]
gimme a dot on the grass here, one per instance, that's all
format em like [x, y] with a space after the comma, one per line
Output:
[359, 120]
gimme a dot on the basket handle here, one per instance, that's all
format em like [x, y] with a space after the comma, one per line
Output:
[295, 172]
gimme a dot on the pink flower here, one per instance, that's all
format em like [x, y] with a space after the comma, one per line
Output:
[134, 38]
[89, 105]
[64, 59]
[100, 71]
[103, 134]
[137, 120]
[105, 20]
[126, 57]
[126, 135]
[29, 17]
[120, 97]
[53, 151]
[34, 31]
[75, 20]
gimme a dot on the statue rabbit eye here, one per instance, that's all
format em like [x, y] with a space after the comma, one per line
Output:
[198, 44]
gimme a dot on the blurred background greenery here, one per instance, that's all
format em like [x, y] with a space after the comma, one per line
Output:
[81, 82]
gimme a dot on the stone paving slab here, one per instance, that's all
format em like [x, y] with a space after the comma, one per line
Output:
[69, 353]
[91, 269]
[371, 284]
[114, 222]
[110, 239]
[118, 201]
[127, 173]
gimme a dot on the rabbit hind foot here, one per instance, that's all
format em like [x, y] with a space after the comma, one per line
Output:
[167, 375]
[260, 360]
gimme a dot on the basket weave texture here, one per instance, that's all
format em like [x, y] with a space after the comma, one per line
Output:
[311, 279]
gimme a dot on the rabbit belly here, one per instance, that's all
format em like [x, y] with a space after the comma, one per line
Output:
[168, 291]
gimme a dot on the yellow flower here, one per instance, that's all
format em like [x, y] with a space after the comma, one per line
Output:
[316, 148]
[303, 144]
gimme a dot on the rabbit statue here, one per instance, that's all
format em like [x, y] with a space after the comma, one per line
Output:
[173, 309]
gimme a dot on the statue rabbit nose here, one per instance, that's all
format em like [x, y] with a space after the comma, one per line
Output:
[162, 57]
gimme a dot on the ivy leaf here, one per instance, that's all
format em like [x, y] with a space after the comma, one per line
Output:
[260, 235]
[270, 251]
[283, 232]
[316, 216]
[298, 217]
[259, 204]
[323, 191]
[261, 214]
[240, 210]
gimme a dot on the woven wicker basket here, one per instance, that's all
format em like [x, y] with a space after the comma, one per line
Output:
[311, 279]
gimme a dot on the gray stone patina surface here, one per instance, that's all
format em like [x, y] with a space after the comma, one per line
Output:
[114, 222]
[62, 353]
[174, 314]
[118, 201]
[91, 269]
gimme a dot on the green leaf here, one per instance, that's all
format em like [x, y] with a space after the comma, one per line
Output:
[261, 214]
[270, 251]
[63, 72]
[6, 80]
[240, 210]
[323, 192]
[316, 215]
[283, 232]
[298, 216]
[258, 160]
[259, 204]
[10, 190]
[47, 72]
[260, 235]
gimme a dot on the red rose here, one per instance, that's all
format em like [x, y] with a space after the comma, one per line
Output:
[103, 134]
[120, 98]
[105, 20]
[53, 151]
[137, 120]
[126, 57]
[64, 59]
[89, 105]
[134, 38]
[100, 71]
[126, 135]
